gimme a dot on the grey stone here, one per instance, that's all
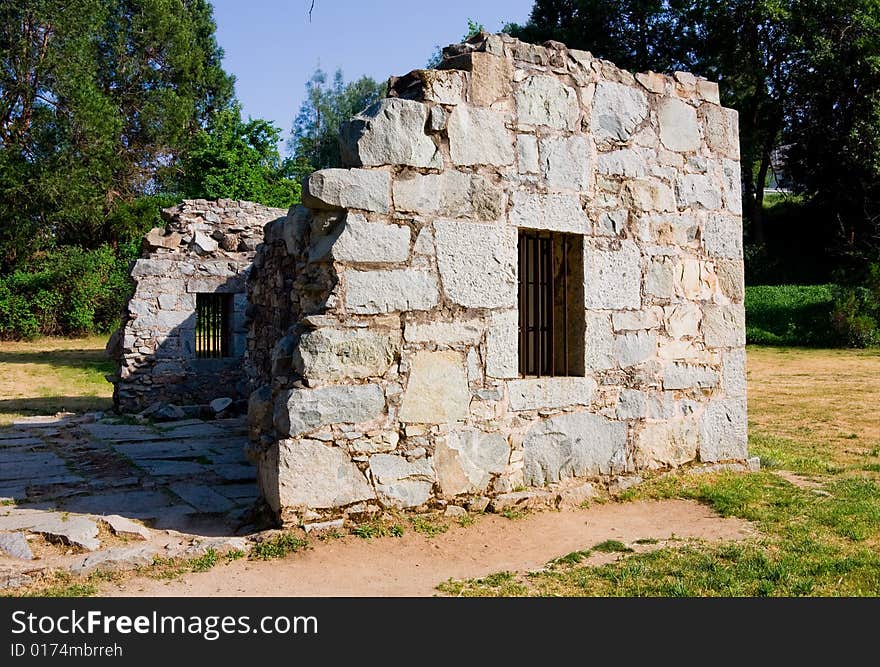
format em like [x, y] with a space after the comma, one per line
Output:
[125, 527]
[383, 291]
[575, 444]
[323, 526]
[117, 558]
[545, 100]
[566, 162]
[69, 529]
[679, 128]
[732, 186]
[697, 190]
[722, 130]
[477, 263]
[617, 111]
[362, 241]
[479, 136]
[137, 504]
[168, 411]
[631, 404]
[467, 458]
[527, 153]
[634, 348]
[660, 278]
[15, 545]
[218, 405]
[454, 511]
[333, 354]
[368, 189]
[438, 118]
[204, 244]
[234, 472]
[723, 236]
[202, 497]
[437, 391]
[668, 443]
[502, 360]
[612, 277]
[555, 212]
[165, 468]
[576, 496]
[733, 373]
[723, 434]
[627, 162]
[724, 326]
[311, 474]
[559, 392]
[688, 376]
[599, 353]
[455, 332]
[402, 483]
[391, 131]
[298, 411]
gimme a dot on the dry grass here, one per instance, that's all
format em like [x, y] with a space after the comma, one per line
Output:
[50, 375]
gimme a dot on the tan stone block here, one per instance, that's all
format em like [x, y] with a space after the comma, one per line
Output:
[437, 390]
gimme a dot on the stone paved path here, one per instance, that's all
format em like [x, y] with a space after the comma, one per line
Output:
[188, 482]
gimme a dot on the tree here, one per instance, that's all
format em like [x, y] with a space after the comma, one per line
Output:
[237, 159]
[96, 100]
[314, 142]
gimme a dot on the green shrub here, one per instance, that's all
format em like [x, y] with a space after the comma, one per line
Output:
[856, 316]
[66, 291]
[790, 315]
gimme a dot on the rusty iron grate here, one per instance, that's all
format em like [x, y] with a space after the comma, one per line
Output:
[213, 325]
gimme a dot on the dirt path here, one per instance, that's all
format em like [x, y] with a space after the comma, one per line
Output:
[413, 565]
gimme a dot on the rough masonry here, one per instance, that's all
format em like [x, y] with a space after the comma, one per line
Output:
[205, 248]
[383, 351]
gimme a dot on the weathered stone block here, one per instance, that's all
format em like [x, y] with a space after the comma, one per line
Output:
[686, 376]
[299, 411]
[479, 136]
[437, 391]
[730, 278]
[723, 434]
[456, 332]
[334, 354]
[527, 153]
[402, 483]
[649, 195]
[627, 162]
[368, 189]
[477, 263]
[670, 443]
[612, 277]
[679, 128]
[359, 241]
[723, 236]
[724, 326]
[385, 291]
[554, 212]
[575, 444]
[557, 392]
[502, 341]
[697, 190]
[310, 474]
[617, 111]
[467, 458]
[733, 372]
[635, 320]
[682, 320]
[390, 132]
[545, 100]
[631, 404]
[721, 127]
[599, 334]
[566, 162]
[634, 348]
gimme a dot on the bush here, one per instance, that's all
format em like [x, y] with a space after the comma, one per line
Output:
[790, 315]
[856, 316]
[67, 291]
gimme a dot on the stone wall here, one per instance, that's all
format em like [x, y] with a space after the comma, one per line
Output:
[385, 344]
[206, 247]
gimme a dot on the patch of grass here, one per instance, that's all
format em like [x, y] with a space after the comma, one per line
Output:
[499, 584]
[612, 546]
[204, 562]
[513, 514]
[572, 558]
[647, 540]
[278, 546]
[428, 525]
[467, 520]
[789, 315]
[50, 375]
[377, 528]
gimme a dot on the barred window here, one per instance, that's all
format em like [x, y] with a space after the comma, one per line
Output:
[213, 325]
[551, 304]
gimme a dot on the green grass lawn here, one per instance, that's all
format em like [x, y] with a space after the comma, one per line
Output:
[50, 375]
[812, 413]
[789, 315]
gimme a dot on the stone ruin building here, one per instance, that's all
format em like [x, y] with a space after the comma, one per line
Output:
[194, 269]
[529, 274]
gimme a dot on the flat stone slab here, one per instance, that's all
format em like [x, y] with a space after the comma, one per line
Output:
[39, 421]
[172, 468]
[122, 432]
[199, 430]
[178, 423]
[141, 504]
[203, 498]
[232, 472]
[24, 441]
[31, 466]
[77, 530]
[15, 545]
[171, 449]
[13, 490]
[125, 527]
[238, 492]
[117, 558]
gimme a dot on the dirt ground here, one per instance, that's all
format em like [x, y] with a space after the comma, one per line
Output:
[413, 565]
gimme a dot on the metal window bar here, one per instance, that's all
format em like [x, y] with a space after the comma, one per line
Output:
[543, 302]
[213, 313]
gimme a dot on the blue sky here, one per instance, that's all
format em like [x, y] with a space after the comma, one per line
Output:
[272, 48]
